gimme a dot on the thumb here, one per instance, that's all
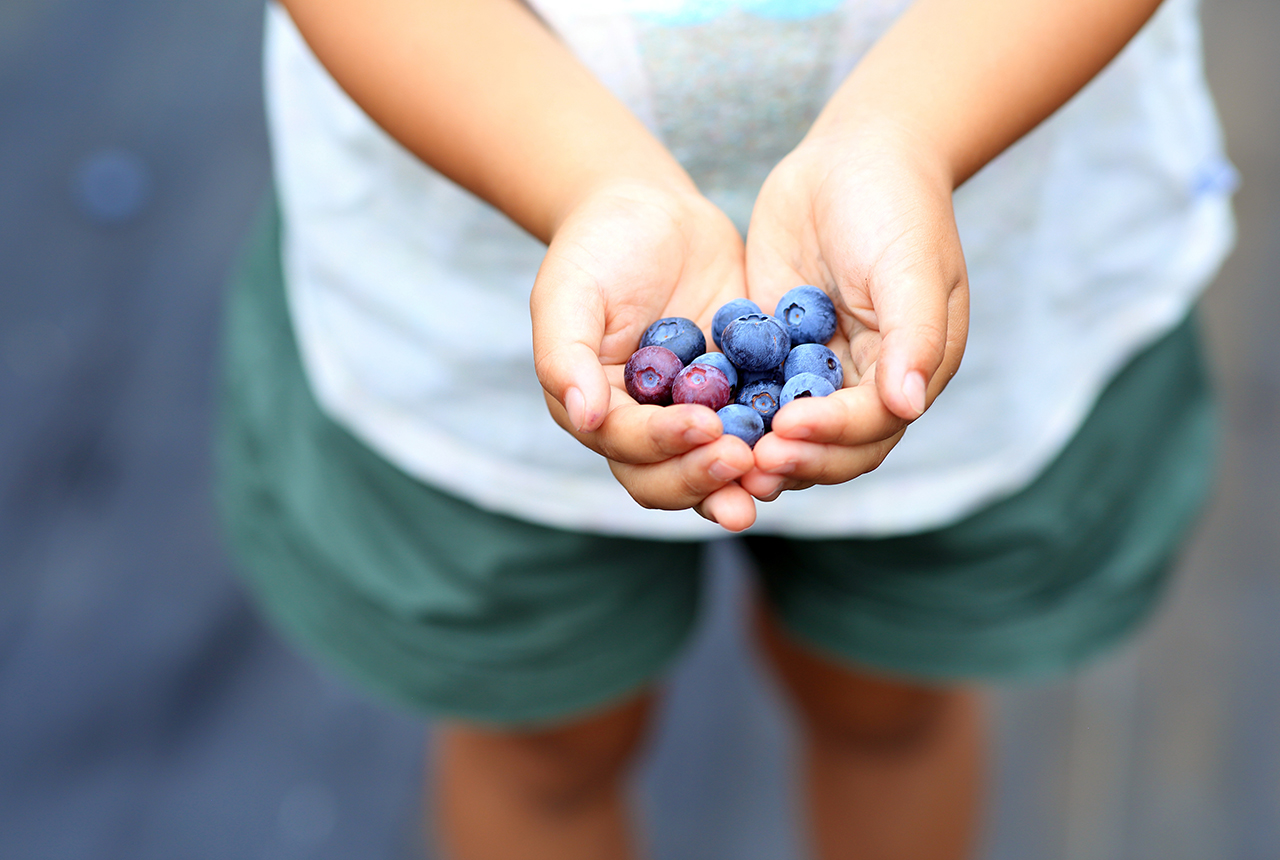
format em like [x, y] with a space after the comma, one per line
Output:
[923, 322]
[568, 313]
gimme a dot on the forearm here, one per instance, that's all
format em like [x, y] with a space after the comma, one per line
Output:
[485, 94]
[970, 77]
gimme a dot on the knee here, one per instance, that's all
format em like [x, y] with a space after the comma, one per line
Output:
[876, 716]
[840, 707]
[558, 767]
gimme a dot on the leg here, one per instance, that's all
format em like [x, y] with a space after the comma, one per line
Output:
[892, 770]
[544, 794]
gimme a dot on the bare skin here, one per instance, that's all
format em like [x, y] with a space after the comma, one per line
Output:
[891, 771]
[556, 793]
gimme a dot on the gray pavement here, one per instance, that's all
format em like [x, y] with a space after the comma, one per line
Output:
[145, 711]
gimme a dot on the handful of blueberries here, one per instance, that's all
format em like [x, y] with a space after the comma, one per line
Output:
[765, 363]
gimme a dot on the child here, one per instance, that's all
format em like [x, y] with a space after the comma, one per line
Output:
[404, 506]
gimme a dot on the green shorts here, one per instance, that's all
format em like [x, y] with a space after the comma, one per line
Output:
[456, 611]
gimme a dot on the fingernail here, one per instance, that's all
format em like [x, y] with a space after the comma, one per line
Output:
[782, 469]
[797, 433]
[576, 405]
[913, 389]
[697, 436]
[722, 471]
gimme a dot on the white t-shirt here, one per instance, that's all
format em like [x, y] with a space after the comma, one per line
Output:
[1085, 242]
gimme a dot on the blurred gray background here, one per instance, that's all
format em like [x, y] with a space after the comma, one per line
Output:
[145, 712]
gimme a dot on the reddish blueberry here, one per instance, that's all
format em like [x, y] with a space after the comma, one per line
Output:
[649, 374]
[703, 384]
[720, 360]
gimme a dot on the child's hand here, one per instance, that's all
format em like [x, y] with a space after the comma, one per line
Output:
[867, 218]
[862, 208]
[626, 256]
[630, 238]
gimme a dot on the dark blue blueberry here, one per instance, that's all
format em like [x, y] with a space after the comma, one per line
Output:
[756, 342]
[681, 336]
[774, 375]
[720, 360]
[805, 385]
[743, 422]
[729, 312]
[808, 314]
[764, 397]
[814, 358]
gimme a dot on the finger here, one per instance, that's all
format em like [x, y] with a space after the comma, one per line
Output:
[568, 316]
[730, 506]
[850, 416]
[763, 486]
[685, 481]
[635, 434]
[804, 464]
[922, 323]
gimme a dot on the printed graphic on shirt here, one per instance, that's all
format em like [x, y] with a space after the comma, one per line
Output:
[678, 13]
[734, 94]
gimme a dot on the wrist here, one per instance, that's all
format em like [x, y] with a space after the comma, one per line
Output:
[864, 137]
[652, 184]
[672, 196]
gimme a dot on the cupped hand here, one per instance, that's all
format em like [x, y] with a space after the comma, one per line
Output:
[624, 257]
[868, 218]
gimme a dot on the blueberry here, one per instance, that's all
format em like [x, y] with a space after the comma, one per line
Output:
[772, 375]
[743, 422]
[681, 336]
[756, 342]
[808, 314]
[720, 360]
[814, 358]
[763, 397]
[805, 385]
[729, 312]
[649, 374]
[702, 384]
